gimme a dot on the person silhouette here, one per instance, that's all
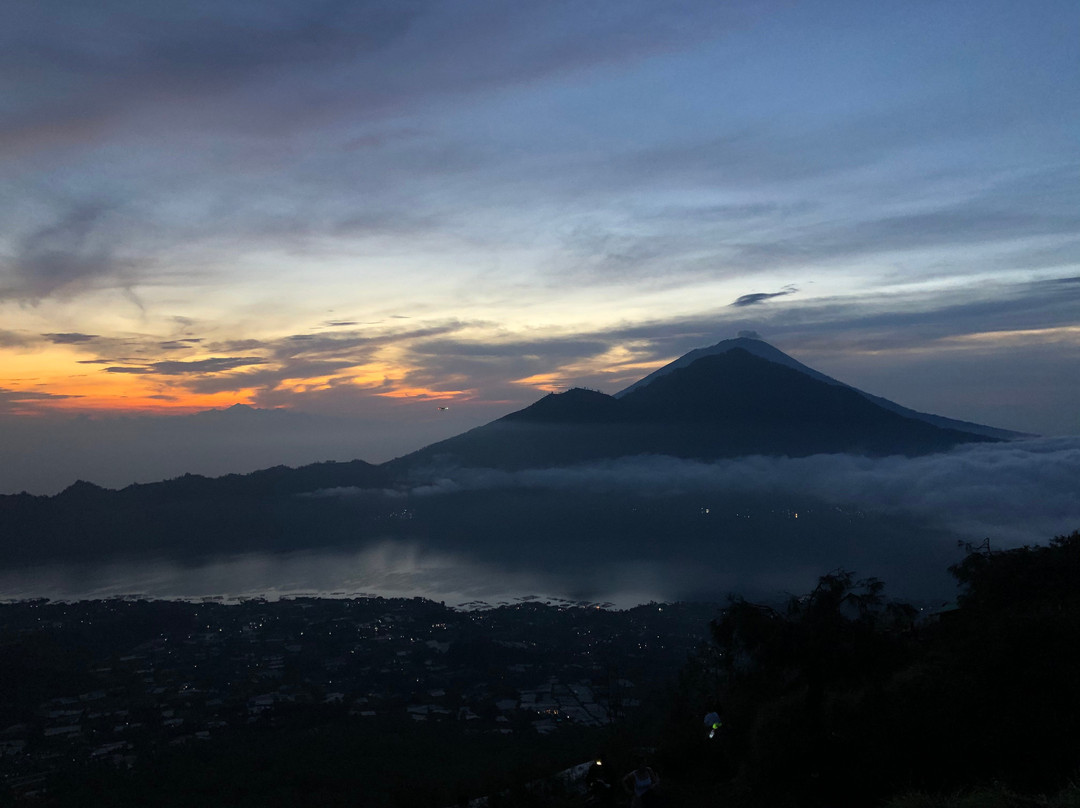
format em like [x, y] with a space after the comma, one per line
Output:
[640, 784]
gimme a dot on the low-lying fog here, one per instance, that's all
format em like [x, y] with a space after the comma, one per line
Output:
[1014, 493]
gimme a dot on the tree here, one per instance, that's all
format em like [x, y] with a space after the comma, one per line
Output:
[790, 674]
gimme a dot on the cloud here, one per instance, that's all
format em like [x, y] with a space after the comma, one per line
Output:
[30, 395]
[491, 369]
[1012, 220]
[861, 322]
[384, 90]
[291, 64]
[1015, 493]
[946, 226]
[12, 339]
[921, 317]
[269, 378]
[761, 297]
[354, 344]
[103, 64]
[293, 370]
[958, 225]
[73, 338]
[550, 347]
[70, 254]
[212, 365]
[222, 96]
[15, 401]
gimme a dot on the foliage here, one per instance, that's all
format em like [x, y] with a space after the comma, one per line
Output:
[843, 698]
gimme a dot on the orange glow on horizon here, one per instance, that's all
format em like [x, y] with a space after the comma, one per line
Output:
[1070, 333]
[423, 392]
[87, 389]
[136, 402]
[543, 381]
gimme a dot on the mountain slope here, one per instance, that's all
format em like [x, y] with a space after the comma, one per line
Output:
[558, 429]
[764, 350]
[757, 347]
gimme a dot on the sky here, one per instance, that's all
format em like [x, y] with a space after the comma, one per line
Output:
[360, 212]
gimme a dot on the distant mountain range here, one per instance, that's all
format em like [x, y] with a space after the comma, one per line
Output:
[739, 397]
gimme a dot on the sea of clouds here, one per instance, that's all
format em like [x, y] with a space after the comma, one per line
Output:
[1022, 492]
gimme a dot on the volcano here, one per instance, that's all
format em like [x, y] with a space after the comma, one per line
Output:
[739, 397]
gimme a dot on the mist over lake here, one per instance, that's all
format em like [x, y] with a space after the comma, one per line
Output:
[386, 569]
[394, 569]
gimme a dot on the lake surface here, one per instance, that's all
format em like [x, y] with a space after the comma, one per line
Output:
[388, 569]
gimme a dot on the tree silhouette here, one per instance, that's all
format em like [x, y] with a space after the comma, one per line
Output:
[842, 697]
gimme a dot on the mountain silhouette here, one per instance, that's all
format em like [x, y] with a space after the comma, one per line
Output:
[709, 404]
[764, 350]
